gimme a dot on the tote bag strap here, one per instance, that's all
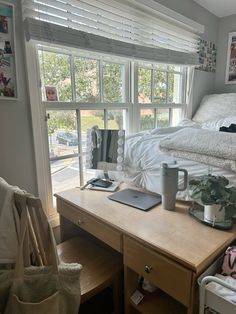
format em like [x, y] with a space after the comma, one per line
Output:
[24, 225]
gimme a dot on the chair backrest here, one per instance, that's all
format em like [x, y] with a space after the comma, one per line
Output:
[38, 227]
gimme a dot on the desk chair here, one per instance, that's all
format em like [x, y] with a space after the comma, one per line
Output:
[102, 267]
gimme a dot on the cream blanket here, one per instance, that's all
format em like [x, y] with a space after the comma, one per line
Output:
[9, 223]
[204, 146]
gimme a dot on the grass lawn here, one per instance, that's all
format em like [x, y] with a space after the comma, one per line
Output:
[89, 121]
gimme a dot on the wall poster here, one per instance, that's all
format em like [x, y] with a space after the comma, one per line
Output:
[8, 88]
[230, 77]
[207, 56]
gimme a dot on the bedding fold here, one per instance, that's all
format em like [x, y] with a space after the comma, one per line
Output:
[204, 146]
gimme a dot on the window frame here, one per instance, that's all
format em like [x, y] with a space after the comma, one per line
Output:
[39, 108]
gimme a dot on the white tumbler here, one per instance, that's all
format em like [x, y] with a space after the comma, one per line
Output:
[169, 179]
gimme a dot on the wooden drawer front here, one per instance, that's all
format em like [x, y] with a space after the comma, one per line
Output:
[166, 274]
[90, 224]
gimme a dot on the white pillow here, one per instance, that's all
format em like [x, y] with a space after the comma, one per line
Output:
[216, 106]
[216, 124]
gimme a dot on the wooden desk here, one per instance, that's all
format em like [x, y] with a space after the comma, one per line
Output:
[169, 248]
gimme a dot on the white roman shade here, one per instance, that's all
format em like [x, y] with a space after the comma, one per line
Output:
[134, 28]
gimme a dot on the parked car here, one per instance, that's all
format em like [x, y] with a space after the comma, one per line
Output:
[67, 138]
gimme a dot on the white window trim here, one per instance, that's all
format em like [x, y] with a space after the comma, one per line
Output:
[39, 129]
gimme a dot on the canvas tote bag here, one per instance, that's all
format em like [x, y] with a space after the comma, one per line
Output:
[51, 289]
[6, 279]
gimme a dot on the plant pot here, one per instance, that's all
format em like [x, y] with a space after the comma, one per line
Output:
[214, 213]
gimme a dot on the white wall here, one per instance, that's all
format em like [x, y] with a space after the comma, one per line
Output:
[17, 163]
[194, 11]
[227, 25]
[204, 84]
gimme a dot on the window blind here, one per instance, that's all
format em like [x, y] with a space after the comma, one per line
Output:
[131, 24]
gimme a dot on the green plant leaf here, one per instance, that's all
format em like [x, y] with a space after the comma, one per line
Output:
[230, 211]
[211, 189]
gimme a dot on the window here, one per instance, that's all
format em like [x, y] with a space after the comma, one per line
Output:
[63, 149]
[75, 88]
[55, 71]
[86, 80]
[80, 89]
[161, 94]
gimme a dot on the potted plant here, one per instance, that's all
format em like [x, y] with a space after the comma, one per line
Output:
[213, 193]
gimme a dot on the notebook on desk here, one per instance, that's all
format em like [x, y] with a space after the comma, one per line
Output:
[137, 199]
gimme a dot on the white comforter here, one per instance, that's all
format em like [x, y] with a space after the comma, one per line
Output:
[143, 158]
[210, 147]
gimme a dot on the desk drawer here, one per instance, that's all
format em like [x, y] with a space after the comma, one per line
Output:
[90, 224]
[172, 278]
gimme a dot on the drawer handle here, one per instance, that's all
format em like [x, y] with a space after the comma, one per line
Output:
[80, 222]
[148, 269]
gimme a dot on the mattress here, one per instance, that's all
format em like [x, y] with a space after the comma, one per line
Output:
[143, 159]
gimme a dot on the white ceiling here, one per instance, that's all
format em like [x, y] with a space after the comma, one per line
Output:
[220, 8]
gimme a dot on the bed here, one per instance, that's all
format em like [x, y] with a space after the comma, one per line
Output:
[144, 152]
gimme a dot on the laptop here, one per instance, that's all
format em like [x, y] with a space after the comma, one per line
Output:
[137, 199]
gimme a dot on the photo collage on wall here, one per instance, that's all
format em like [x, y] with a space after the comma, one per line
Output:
[7, 57]
[207, 56]
[231, 60]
